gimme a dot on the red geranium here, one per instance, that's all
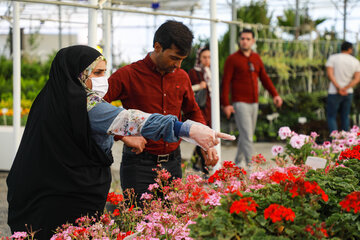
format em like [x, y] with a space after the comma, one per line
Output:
[350, 153]
[121, 236]
[279, 177]
[300, 187]
[278, 213]
[243, 205]
[227, 172]
[318, 232]
[114, 198]
[351, 201]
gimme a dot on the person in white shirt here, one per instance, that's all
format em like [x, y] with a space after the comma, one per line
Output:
[343, 70]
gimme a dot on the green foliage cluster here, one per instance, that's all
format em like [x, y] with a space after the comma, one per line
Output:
[309, 210]
[34, 75]
[301, 104]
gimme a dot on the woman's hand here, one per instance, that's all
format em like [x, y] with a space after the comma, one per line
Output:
[206, 137]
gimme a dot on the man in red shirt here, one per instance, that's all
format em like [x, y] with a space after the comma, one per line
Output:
[242, 70]
[156, 84]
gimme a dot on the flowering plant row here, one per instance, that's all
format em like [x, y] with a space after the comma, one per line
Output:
[290, 201]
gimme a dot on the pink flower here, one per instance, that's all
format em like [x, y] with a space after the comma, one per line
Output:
[327, 144]
[314, 134]
[153, 186]
[146, 196]
[276, 150]
[297, 141]
[284, 132]
[19, 235]
[355, 129]
[214, 199]
[351, 141]
[255, 187]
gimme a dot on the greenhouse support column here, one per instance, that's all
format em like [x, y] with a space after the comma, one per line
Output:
[233, 27]
[16, 77]
[215, 105]
[107, 39]
[92, 27]
[311, 53]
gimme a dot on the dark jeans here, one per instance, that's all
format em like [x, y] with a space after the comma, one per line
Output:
[136, 171]
[336, 103]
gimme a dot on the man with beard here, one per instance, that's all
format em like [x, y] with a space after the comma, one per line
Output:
[158, 85]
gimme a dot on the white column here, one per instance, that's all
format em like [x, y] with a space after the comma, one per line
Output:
[107, 38]
[16, 76]
[215, 103]
[233, 27]
[92, 25]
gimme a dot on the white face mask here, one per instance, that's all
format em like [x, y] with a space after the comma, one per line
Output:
[100, 85]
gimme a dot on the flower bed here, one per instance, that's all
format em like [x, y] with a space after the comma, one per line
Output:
[290, 201]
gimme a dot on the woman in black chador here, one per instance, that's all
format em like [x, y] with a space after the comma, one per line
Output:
[62, 168]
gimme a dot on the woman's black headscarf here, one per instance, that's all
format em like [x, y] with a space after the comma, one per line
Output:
[59, 172]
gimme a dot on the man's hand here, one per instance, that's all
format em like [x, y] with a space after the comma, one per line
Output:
[137, 143]
[228, 110]
[202, 84]
[343, 91]
[211, 157]
[206, 137]
[278, 101]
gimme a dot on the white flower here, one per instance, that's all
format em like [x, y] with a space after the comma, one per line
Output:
[297, 141]
[284, 132]
[276, 150]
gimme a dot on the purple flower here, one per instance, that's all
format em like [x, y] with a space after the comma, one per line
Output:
[284, 132]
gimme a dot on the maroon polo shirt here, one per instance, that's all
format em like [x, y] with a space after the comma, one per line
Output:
[243, 79]
[140, 86]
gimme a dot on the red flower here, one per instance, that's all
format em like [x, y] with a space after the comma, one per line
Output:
[279, 177]
[198, 193]
[121, 236]
[114, 198]
[80, 232]
[131, 208]
[278, 213]
[350, 153]
[300, 187]
[105, 219]
[318, 231]
[351, 201]
[258, 159]
[116, 212]
[227, 172]
[243, 205]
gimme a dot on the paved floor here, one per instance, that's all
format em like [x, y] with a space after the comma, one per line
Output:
[227, 152]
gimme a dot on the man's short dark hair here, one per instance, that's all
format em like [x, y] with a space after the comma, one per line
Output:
[247, 30]
[172, 32]
[346, 46]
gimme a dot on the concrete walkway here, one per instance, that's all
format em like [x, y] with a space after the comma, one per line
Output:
[228, 153]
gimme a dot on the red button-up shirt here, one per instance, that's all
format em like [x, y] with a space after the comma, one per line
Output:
[140, 86]
[243, 78]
